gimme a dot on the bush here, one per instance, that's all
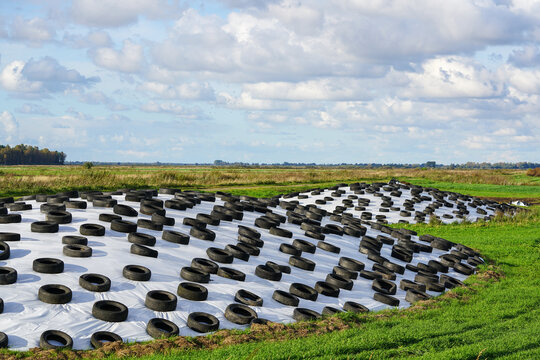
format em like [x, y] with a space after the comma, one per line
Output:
[534, 172]
[88, 165]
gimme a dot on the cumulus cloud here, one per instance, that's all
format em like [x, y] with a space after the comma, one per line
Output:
[34, 31]
[194, 113]
[29, 108]
[93, 39]
[9, 126]
[41, 77]
[105, 13]
[129, 59]
[185, 91]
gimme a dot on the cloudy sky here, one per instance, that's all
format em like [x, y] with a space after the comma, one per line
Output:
[271, 81]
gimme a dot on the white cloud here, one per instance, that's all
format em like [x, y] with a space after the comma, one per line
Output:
[174, 108]
[9, 124]
[186, 91]
[34, 31]
[29, 108]
[105, 13]
[130, 59]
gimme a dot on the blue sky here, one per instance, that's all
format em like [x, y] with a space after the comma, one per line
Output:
[272, 81]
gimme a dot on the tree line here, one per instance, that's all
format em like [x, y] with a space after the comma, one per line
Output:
[30, 155]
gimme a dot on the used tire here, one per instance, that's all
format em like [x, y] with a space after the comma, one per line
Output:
[44, 227]
[111, 311]
[268, 273]
[413, 295]
[203, 234]
[48, 265]
[202, 322]
[175, 237]
[141, 239]
[351, 264]
[95, 282]
[160, 300]
[384, 286]
[248, 298]
[136, 273]
[5, 251]
[50, 338]
[328, 247]
[123, 226]
[192, 291]
[240, 314]
[354, 307]
[161, 328]
[219, 255]
[143, 251]
[58, 217]
[75, 250]
[386, 299]
[55, 294]
[339, 281]
[302, 263]
[303, 291]
[10, 218]
[326, 289]
[237, 252]
[230, 273]
[193, 274]
[205, 265]
[303, 314]
[149, 224]
[100, 338]
[285, 298]
[92, 230]
[125, 210]
[9, 236]
[74, 240]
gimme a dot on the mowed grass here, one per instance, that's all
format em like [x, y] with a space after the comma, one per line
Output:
[488, 319]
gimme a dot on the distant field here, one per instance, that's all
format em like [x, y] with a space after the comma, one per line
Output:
[264, 181]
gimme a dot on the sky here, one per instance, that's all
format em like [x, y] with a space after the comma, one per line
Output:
[346, 81]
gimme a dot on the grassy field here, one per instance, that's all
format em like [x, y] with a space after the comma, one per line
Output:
[496, 316]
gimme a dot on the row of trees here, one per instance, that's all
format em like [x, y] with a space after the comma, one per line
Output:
[30, 155]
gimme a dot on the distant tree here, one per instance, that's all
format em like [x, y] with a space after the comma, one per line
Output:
[30, 155]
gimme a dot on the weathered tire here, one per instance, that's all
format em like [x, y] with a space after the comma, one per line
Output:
[100, 338]
[339, 281]
[230, 273]
[123, 226]
[303, 291]
[141, 239]
[74, 250]
[136, 273]
[111, 311]
[240, 314]
[149, 224]
[415, 295]
[237, 252]
[464, 269]
[219, 255]
[161, 328]
[384, 286]
[290, 249]
[329, 311]
[92, 230]
[203, 234]
[280, 232]
[194, 274]
[351, 264]
[95, 282]
[192, 291]
[283, 268]
[326, 289]
[56, 336]
[207, 219]
[10, 218]
[55, 294]
[304, 245]
[175, 237]
[248, 298]
[328, 247]
[251, 241]
[302, 263]
[285, 298]
[303, 314]
[346, 273]
[58, 217]
[3, 340]
[9, 236]
[5, 251]
[405, 284]
[44, 227]
[76, 204]
[48, 265]
[163, 220]
[143, 251]
[161, 300]
[247, 231]
[205, 265]
[250, 249]
[386, 299]
[268, 273]
[354, 307]
[202, 322]
[74, 240]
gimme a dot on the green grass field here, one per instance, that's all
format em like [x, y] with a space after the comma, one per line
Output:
[496, 316]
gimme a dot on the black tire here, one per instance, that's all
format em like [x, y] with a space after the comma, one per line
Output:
[100, 338]
[95, 282]
[10, 218]
[315, 235]
[161, 300]
[304, 245]
[207, 219]
[141, 239]
[398, 269]
[240, 314]
[3, 340]
[250, 249]
[194, 274]
[76, 204]
[136, 273]
[48, 266]
[268, 273]
[285, 298]
[92, 230]
[329, 311]
[405, 285]
[247, 231]
[109, 217]
[328, 247]
[19, 206]
[386, 299]
[107, 203]
[230, 273]
[339, 281]
[434, 286]
[283, 268]
[5, 251]
[303, 314]
[251, 241]
[281, 232]
[56, 336]
[415, 295]
[384, 286]
[326, 289]
[9, 236]
[219, 255]
[143, 251]
[370, 275]
[401, 254]
[123, 226]
[302, 263]
[192, 291]
[205, 265]
[203, 234]
[202, 322]
[289, 249]
[237, 252]
[81, 251]
[149, 209]
[44, 227]
[355, 307]
[248, 298]
[194, 222]
[161, 328]
[74, 240]
[175, 237]
[149, 224]
[346, 273]
[450, 282]
[351, 264]
[58, 217]
[111, 311]
[303, 291]
[55, 294]
[464, 269]
[163, 220]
